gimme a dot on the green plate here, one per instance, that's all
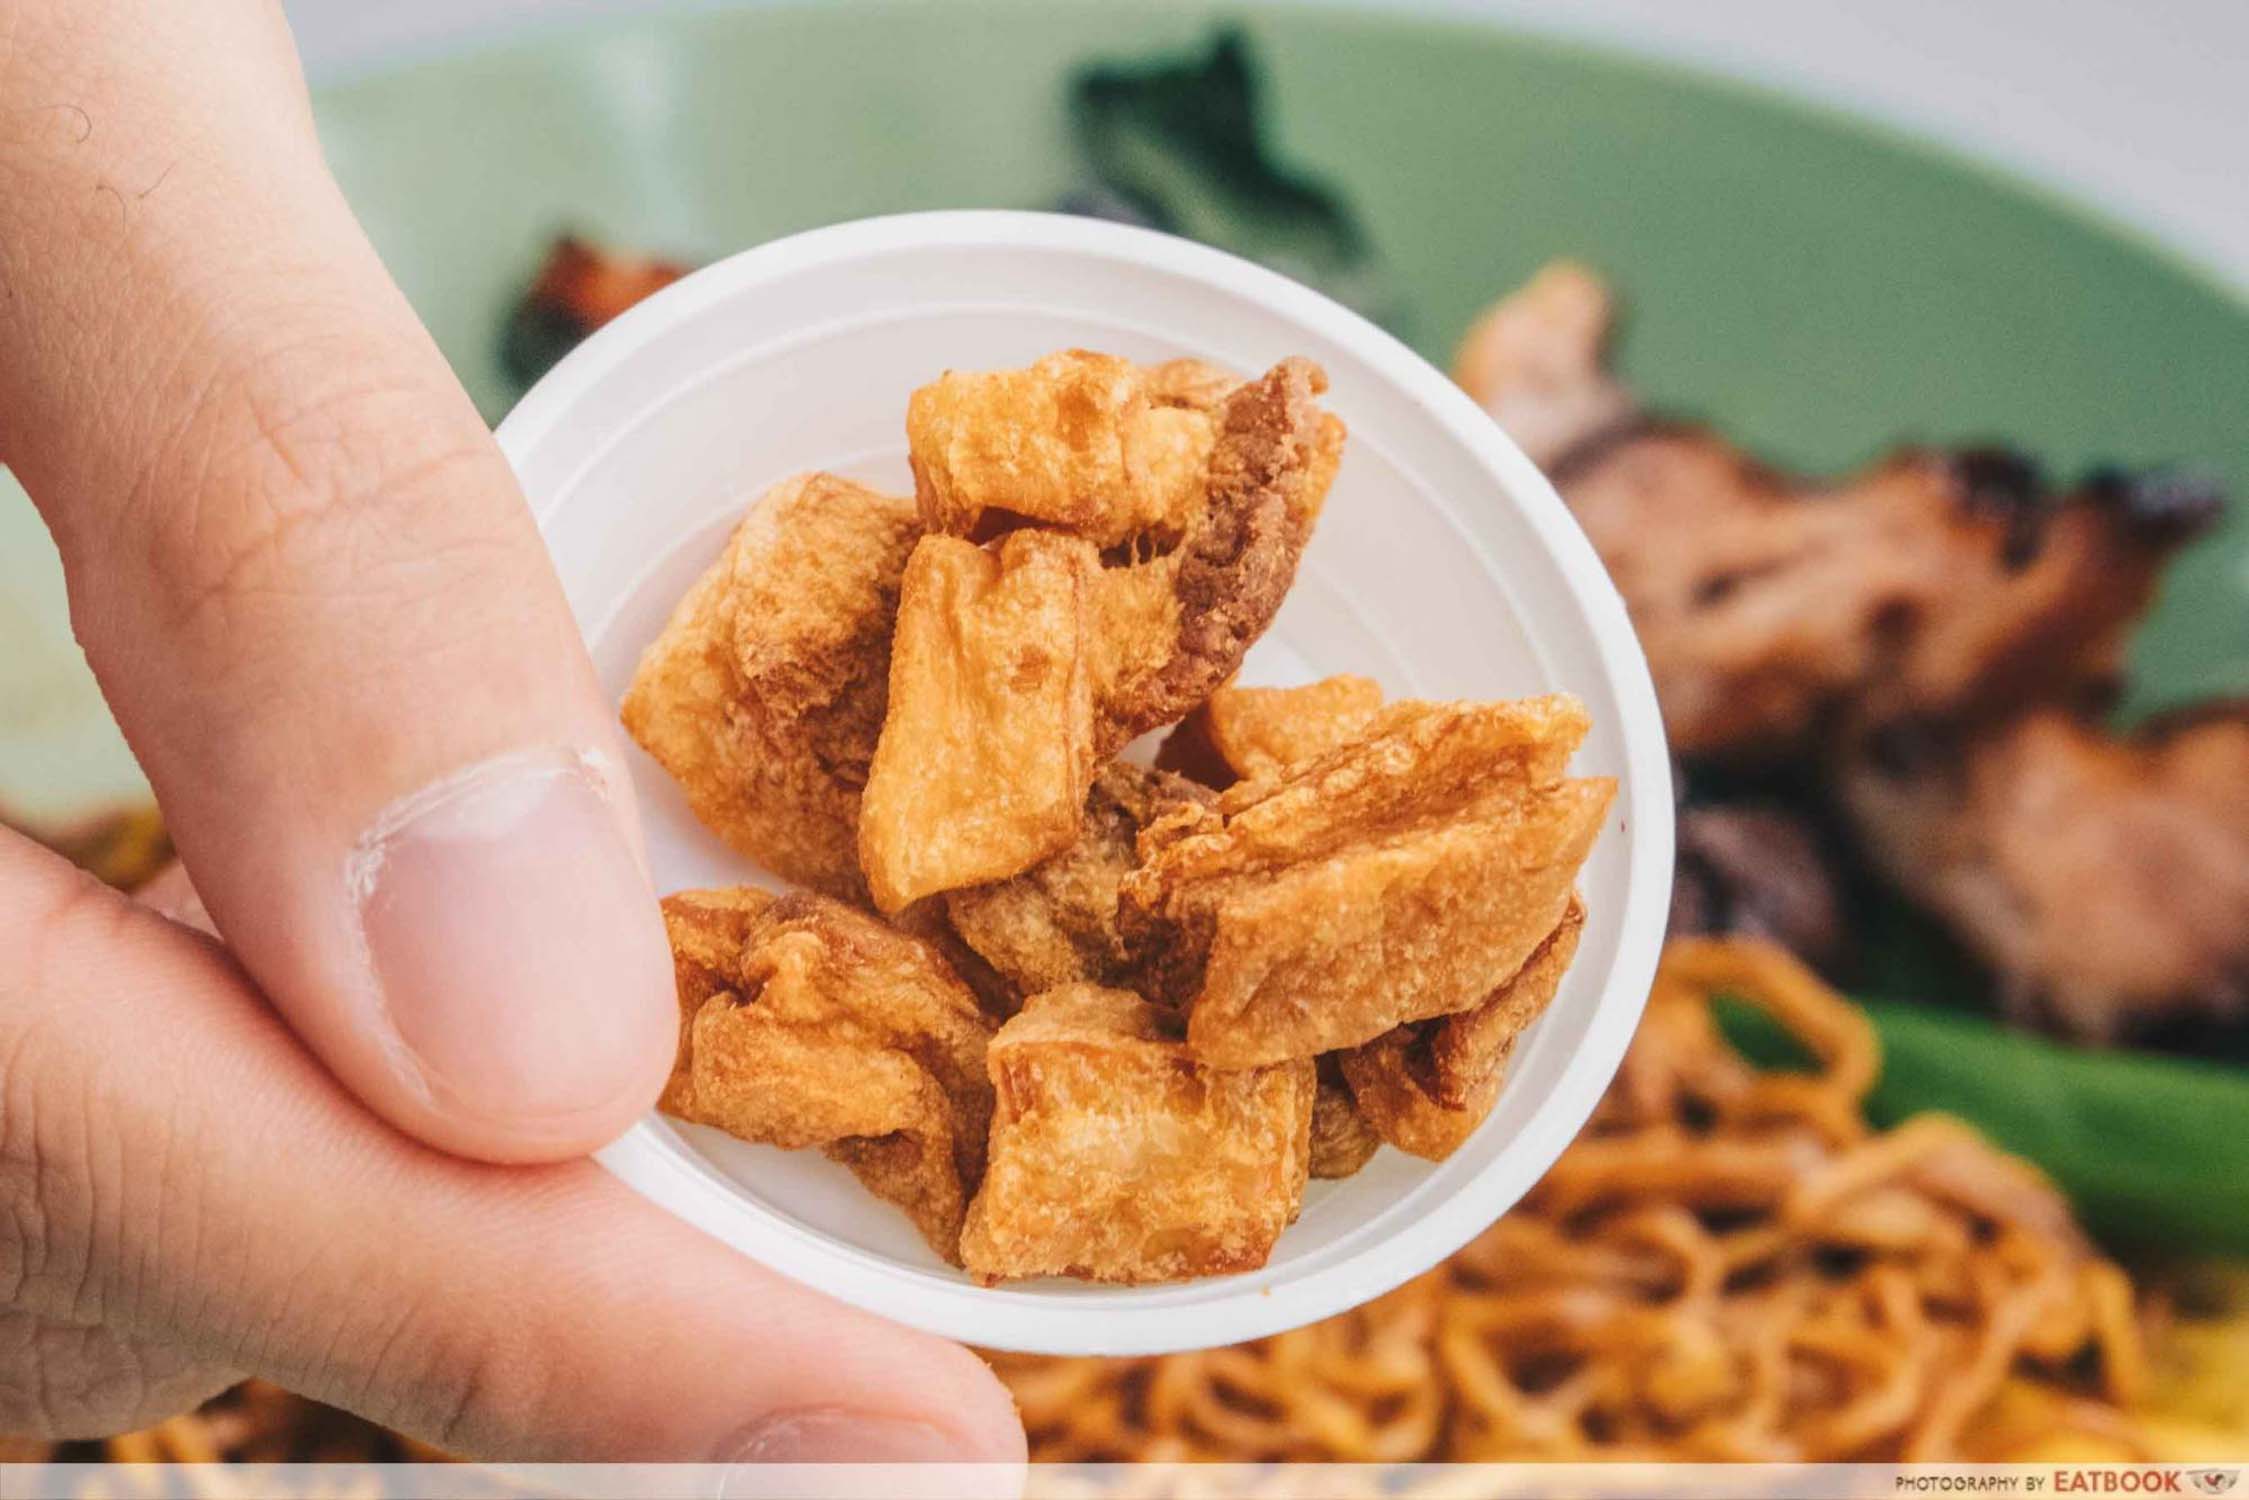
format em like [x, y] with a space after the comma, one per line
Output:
[1820, 288]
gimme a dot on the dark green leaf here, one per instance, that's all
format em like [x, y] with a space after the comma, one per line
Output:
[1178, 143]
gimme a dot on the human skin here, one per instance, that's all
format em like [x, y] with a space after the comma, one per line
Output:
[336, 1143]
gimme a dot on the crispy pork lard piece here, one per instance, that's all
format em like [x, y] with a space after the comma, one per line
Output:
[1089, 443]
[766, 692]
[1174, 624]
[927, 921]
[1056, 923]
[1402, 876]
[2104, 879]
[1200, 490]
[1194, 384]
[1426, 1086]
[1536, 360]
[1116, 1156]
[1342, 1140]
[987, 752]
[805, 1023]
[1242, 732]
[1769, 604]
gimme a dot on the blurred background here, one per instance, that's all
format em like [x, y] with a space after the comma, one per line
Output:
[1998, 250]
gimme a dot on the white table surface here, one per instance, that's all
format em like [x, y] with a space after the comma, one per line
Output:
[2139, 109]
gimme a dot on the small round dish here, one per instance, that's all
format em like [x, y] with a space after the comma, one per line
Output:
[1444, 566]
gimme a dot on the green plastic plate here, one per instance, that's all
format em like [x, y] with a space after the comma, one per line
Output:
[1821, 288]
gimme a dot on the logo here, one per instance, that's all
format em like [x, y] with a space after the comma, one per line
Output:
[2213, 1481]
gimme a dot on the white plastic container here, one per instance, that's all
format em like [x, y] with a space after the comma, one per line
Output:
[1444, 566]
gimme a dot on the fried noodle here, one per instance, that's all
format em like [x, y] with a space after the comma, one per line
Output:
[1729, 1264]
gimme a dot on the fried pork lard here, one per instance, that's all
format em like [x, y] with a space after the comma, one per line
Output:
[805, 1023]
[1342, 1140]
[1056, 923]
[766, 692]
[1088, 443]
[1175, 626]
[1201, 491]
[1402, 876]
[1240, 732]
[1426, 1086]
[1116, 1156]
[987, 752]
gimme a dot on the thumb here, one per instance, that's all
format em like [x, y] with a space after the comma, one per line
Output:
[217, 1197]
[307, 582]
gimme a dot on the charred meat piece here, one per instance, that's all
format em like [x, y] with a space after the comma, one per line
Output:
[1756, 871]
[1536, 360]
[2106, 880]
[579, 287]
[1769, 604]
[1928, 584]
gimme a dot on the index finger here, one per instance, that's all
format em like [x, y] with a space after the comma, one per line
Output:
[306, 580]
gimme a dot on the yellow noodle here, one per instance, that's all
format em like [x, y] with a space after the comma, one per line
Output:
[1728, 1264]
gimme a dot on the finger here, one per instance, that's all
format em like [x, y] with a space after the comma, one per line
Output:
[170, 893]
[60, 1381]
[305, 577]
[174, 1168]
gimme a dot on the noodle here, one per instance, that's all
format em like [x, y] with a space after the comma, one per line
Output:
[1729, 1264]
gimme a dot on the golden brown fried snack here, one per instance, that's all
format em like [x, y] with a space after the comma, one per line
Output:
[765, 694]
[1425, 1087]
[1241, 732]
[927, 921]
[1089, 443]
[987, 752]
[1171, 627]
[2105, 879]
[805, 1023]
[1402, 876]
[1056, 923]
[1202, 491]
[1194, 384]
[1117, 1157]
[1342, 1141]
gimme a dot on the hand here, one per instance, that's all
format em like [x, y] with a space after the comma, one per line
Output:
[309, 587]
